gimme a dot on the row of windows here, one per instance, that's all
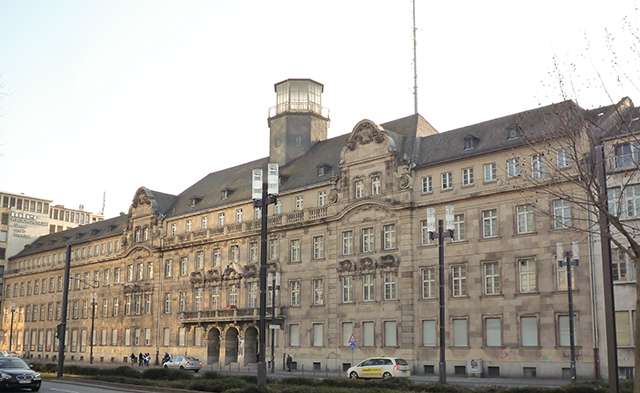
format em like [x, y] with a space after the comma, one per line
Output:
[76, 254]
[69, 216]
[25, 204]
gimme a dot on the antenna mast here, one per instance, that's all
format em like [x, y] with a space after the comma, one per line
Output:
[415, 66]
[104, 200]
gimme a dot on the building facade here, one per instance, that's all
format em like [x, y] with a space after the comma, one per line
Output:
[348, 237]
[62, 218]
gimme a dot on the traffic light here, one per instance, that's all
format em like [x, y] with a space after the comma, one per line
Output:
[58, 331]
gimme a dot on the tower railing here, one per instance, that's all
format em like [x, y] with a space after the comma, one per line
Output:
[299, 107]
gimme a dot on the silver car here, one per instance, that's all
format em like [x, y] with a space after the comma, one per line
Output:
[184, 363]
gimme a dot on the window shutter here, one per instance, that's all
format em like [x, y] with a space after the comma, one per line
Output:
[317, 334]
[460, 333]
[294, 335]
[529, 327]
[347, 331]
[390, 334]
[493, 329]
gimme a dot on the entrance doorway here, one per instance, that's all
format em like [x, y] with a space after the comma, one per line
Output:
[213, 348]
[231, 346]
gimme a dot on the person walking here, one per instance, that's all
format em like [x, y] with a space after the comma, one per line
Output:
[289, 361]
[140, 359]
[133, 358]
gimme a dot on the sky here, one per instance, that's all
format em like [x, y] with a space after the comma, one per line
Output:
[109, 96]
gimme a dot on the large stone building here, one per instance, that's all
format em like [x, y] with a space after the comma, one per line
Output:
[348, 236]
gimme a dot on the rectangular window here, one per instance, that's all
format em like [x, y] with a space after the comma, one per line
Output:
[174, 229]
[459, 231]
[626, 155]
[299, 202]
[427, 184]
[359, 189]
[564, 337]
[116, 274]
[447, 181]
[429, 333]
[460, 333]
[459, 280]
[525, 218]
[527, 274]
[425, 236]
[254, 254]
[105, 307]
[632, 194]
[390, 334]
[205, 223]
[116, 306]
[490, 172]
[347, 243]
[234, 253]
[318, 292]
[294, 335]
[147, 336]
[252, 295]
[347, 289]
[467, 176]
[129, 273]
[537, 166]
[513, 167]
[257, 213]
[182, 336]
[200, 260]
[375, 185]
[389, 236]
[114, 337]
[493, 332]
[273, 249]
[317, 334]
[322, 198]
[220, 219]
[166, 336]
[295, 293]
[182, 302]
[168, 268]
[233, 295]
[623, 329]
[491, 278]
[217, 257]
[614, 200]
[347, 331]
[429, 283]
[295, 250]
[127, 337]
[215, 297]
[238, 215]
[367, 240]
[621, 268]
[140, 272]
[490, 223]
[389, 286]
[562, 214]
[562, 278]
[167, 303]
[318, 247]
[368, 337]
[367, 287]
[188, 226]
[277, 209]
[136, 337]
[529, 330]
[564, 157]
[183, 266]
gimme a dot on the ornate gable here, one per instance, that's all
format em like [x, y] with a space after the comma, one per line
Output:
[367, 140]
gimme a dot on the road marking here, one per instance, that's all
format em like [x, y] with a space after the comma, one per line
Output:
[66, 391]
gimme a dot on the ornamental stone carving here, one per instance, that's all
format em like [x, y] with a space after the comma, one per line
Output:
[389, 261]
[345, 266]
[196, 278]
[404, 173]
[366, 264]
[364, 134]
[250, 270]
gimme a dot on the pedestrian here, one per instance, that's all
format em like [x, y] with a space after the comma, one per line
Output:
[289, 361]
[133, 358]
[140, 359]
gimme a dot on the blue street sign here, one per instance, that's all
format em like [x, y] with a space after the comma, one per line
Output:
[352, 346]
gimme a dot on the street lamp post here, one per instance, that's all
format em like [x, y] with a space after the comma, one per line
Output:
[264, 192]
[94, 300]
[13, 310]
[441, 234]
[570, 258]
[275, 285]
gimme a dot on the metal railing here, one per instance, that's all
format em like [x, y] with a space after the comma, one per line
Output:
[299, 107]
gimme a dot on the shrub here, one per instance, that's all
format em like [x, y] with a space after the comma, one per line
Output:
[165, 374]
[210, 375]
[301, 381]
[626, 386]
[125, 371]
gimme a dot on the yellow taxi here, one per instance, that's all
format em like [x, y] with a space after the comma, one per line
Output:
[380, 367]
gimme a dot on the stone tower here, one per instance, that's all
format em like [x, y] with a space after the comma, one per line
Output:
[297, 121]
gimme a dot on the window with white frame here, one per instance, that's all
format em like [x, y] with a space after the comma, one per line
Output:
[233, 295]
[200, 260]
[513, 167]
[367, 240]
[139, 271]
[220, 219]
[167, 303]
[318, 334]
[390, 334]
[238, 215]
[390, 285]
[459, 280]
[375, 185]
[322, 198]
[537, 166]
[491, 278]
[389, 236]
[197, 299]
[562, 214]
[359, 188]
[427, 184]
[529, 331]
[116, 306]
[425, 236]
[527, 275]
[257, 213]
[564, 157]
[347, 289]
[138, 304]
[105, 307]
[367, 287]
[166, 336]
[318, 292]
[174, 230]
[253, 252]
[614, 200]
[234, 253]
[447, 181]
[525, 218]
[273, 249]
[294, 287]
[182, 336]
[467, 177]
[347, 242]
[252, 295]
[127, 305]
[564, 334]
[626, 155]
[205, 223]
[429, 333]
[632, 194]
[622, 269]
[368, 334]
[493, 332]
[129, 273]
[318, 247]
[460, 333]
[182, 302]
[295, 250]
[429, 283]
[299, 203]
[217, 257]
[459, 231]
[215, 297]
[188, 226]
[490, 223]
[490, 172]
[277, 209]
[183, 266]
[168, 268]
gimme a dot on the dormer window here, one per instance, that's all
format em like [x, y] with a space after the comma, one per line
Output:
[470, 142]
[194, 200]
[513, 132]
[323, 169]
[225, 192]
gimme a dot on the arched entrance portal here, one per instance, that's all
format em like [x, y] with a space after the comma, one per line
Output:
[250, 345]
[231, 346]
[213, 348]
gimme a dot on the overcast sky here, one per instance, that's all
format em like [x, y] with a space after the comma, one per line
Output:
[109, 96]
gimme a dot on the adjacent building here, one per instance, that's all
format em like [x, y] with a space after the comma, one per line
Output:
[62, 218]
[348, 240]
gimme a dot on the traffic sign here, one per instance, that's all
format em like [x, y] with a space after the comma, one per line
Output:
[352, 339]
[352, 346]
[274, 327]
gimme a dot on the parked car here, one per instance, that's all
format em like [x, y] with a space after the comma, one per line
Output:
[380, 367]
[9, 354]
[184, 363]
[15, 373]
